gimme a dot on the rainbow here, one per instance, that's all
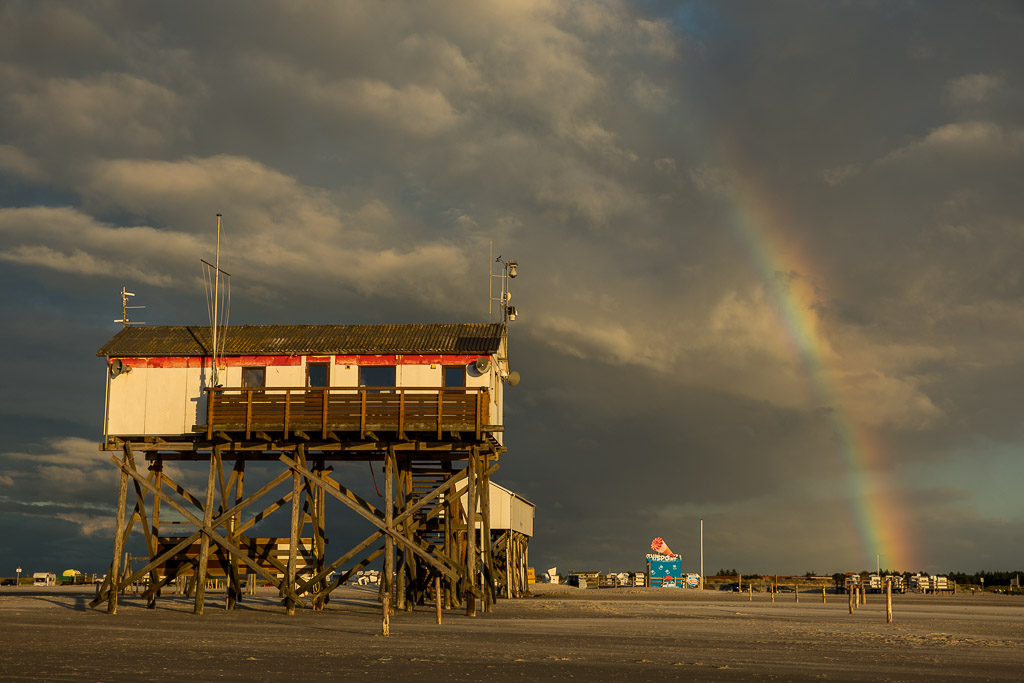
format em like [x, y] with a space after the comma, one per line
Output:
[758, 223]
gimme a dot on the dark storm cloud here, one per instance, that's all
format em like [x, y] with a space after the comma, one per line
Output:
[612, 148]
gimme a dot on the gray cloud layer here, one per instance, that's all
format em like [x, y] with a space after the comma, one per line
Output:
[679, 182]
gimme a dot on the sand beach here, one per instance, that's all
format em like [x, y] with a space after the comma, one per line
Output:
[621, 634]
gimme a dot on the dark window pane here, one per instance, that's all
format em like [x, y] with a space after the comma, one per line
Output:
[377, 376]
[455, 375]
[316, 375]
[254, 377]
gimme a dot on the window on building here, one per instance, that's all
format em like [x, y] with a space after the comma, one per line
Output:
[254, 377]
[317, 374]
[455, 375]
[377, 376]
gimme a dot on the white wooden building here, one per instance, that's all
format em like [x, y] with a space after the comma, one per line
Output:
[160, 378]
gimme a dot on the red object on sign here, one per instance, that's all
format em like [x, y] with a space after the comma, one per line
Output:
[658, 546]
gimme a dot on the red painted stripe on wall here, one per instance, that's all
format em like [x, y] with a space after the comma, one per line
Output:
[295, 361]
[406, 359]
[200, 362]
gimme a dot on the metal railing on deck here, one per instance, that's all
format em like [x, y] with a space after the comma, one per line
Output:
[324, 410]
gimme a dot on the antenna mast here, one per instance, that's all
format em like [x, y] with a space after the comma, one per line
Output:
[216, 293]
[508, 313]
[125, 322]
[215, 313]
[509, 271]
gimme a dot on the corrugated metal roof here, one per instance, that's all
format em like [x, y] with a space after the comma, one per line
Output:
[251, 340]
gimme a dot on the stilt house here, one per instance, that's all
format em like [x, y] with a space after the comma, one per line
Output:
[424, 401]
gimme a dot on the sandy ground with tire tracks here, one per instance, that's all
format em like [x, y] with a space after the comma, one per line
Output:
[618, 634]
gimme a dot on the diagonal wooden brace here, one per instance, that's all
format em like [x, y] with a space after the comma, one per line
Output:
[211, 532]
[370, 517]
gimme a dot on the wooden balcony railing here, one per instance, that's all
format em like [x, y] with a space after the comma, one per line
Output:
[322, 410]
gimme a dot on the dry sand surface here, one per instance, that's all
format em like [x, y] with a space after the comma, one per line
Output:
[624, 634]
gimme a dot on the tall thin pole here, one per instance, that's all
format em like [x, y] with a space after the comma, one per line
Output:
[216, 295]
[702, 554]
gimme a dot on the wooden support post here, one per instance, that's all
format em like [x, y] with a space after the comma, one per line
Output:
[471, 571]
[404, 561]
[319, 541]
[750, 593]
[486, 550]
[437, 597]
[235, 588]
[508, 563]
[293, 539]
[796, 592]
[115, 565]
[849, 591]
[389, 523]
[158, 479]
[449, 531]
[888, 601]
[823, 595]
[204, 542]
[385, 602]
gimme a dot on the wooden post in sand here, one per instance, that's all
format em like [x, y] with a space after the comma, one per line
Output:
[823, 595]
[849, 594]
[888, 601]
[437, 597]
[471, 516]
[863, 596]
[750, 593]
[796, 591]
[385, 626]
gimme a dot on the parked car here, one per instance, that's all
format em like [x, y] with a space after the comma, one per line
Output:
[8, 582]
[733, 587]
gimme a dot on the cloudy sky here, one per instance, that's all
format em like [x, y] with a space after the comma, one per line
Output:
[770, 252]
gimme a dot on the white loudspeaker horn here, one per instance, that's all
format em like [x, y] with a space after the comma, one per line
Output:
[482, 364]
[513, 378]
[118, 367]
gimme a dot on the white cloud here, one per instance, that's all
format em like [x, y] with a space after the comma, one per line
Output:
[971, 139]
[722, 183]
[86, 247]
[840, 174]
[111, 110]
[972, 89]
[19, 164]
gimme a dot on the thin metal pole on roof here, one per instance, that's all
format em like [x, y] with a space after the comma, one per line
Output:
[216, 294]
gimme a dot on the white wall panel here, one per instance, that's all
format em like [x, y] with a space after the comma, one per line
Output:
[127, 411]
[165, 400]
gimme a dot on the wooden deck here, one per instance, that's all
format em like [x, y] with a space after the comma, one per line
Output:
[321, 411]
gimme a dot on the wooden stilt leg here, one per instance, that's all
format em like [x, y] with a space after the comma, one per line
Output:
[389, 522]
[486, 551]
[508, 564]
[204, 542]
[234, 579]
[449, 544]
[437, 597]
[401, 599]
[318, 509]
[471, 517]
[115, 565]
[158, 480]
[293, 541]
